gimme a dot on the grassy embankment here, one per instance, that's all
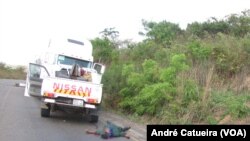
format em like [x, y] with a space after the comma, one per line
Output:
[15, 72]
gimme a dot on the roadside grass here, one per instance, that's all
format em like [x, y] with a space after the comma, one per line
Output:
[230, 107]
[223, 107]
[7, 72]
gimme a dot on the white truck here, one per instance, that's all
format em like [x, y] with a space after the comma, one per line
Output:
[66, 79]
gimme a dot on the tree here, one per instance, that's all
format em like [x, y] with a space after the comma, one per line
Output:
[211, 27]
[235, 24]
[195, 29]
[240, 24]
[110, 33]
[102, 50]
[162, 33]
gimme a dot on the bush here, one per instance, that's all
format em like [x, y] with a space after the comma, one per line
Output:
[16, 72]
[198, 52]
[228, 55]
[153, 87]
[151, 98]
[191, 92]
[234, 105]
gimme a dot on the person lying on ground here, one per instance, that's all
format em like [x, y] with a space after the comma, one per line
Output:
[110, 130]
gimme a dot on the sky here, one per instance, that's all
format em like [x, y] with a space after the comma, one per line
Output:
[26, 26]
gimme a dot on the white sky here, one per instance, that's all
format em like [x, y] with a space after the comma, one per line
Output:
[27, 25]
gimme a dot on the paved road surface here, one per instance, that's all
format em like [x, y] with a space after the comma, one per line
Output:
[20, 120]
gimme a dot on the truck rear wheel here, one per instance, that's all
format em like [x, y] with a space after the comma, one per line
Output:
[45, 112]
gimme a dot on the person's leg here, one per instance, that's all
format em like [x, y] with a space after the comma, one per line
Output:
[112, 125]
[117, 130]
[126, 129]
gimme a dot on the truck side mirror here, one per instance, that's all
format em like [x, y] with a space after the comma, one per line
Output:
[99, 68]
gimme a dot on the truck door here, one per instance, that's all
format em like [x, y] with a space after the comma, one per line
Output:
[97, 77]
[34, 79]
[99, 68]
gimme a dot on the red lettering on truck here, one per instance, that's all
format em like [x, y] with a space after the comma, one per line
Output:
[88, 91]
[66, 86]
[73, 88]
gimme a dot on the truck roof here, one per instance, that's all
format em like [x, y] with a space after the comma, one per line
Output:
[80, 48]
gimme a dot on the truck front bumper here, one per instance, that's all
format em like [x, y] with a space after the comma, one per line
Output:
[73, 104]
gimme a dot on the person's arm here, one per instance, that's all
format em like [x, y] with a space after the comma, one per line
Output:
[92, 132]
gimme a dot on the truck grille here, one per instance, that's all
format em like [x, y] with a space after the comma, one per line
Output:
[64, 100]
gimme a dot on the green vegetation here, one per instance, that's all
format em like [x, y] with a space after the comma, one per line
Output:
[197, 75]
[7, 72]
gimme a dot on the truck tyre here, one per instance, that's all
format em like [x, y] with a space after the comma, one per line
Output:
[45, 112]
[93, 118]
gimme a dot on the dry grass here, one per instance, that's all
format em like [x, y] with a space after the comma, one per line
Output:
[7, 72]
[208, 83]
[241, 81]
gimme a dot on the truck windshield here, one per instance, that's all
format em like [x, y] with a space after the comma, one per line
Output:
[65, 60]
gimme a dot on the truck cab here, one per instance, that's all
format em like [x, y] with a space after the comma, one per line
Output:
[66, 78]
